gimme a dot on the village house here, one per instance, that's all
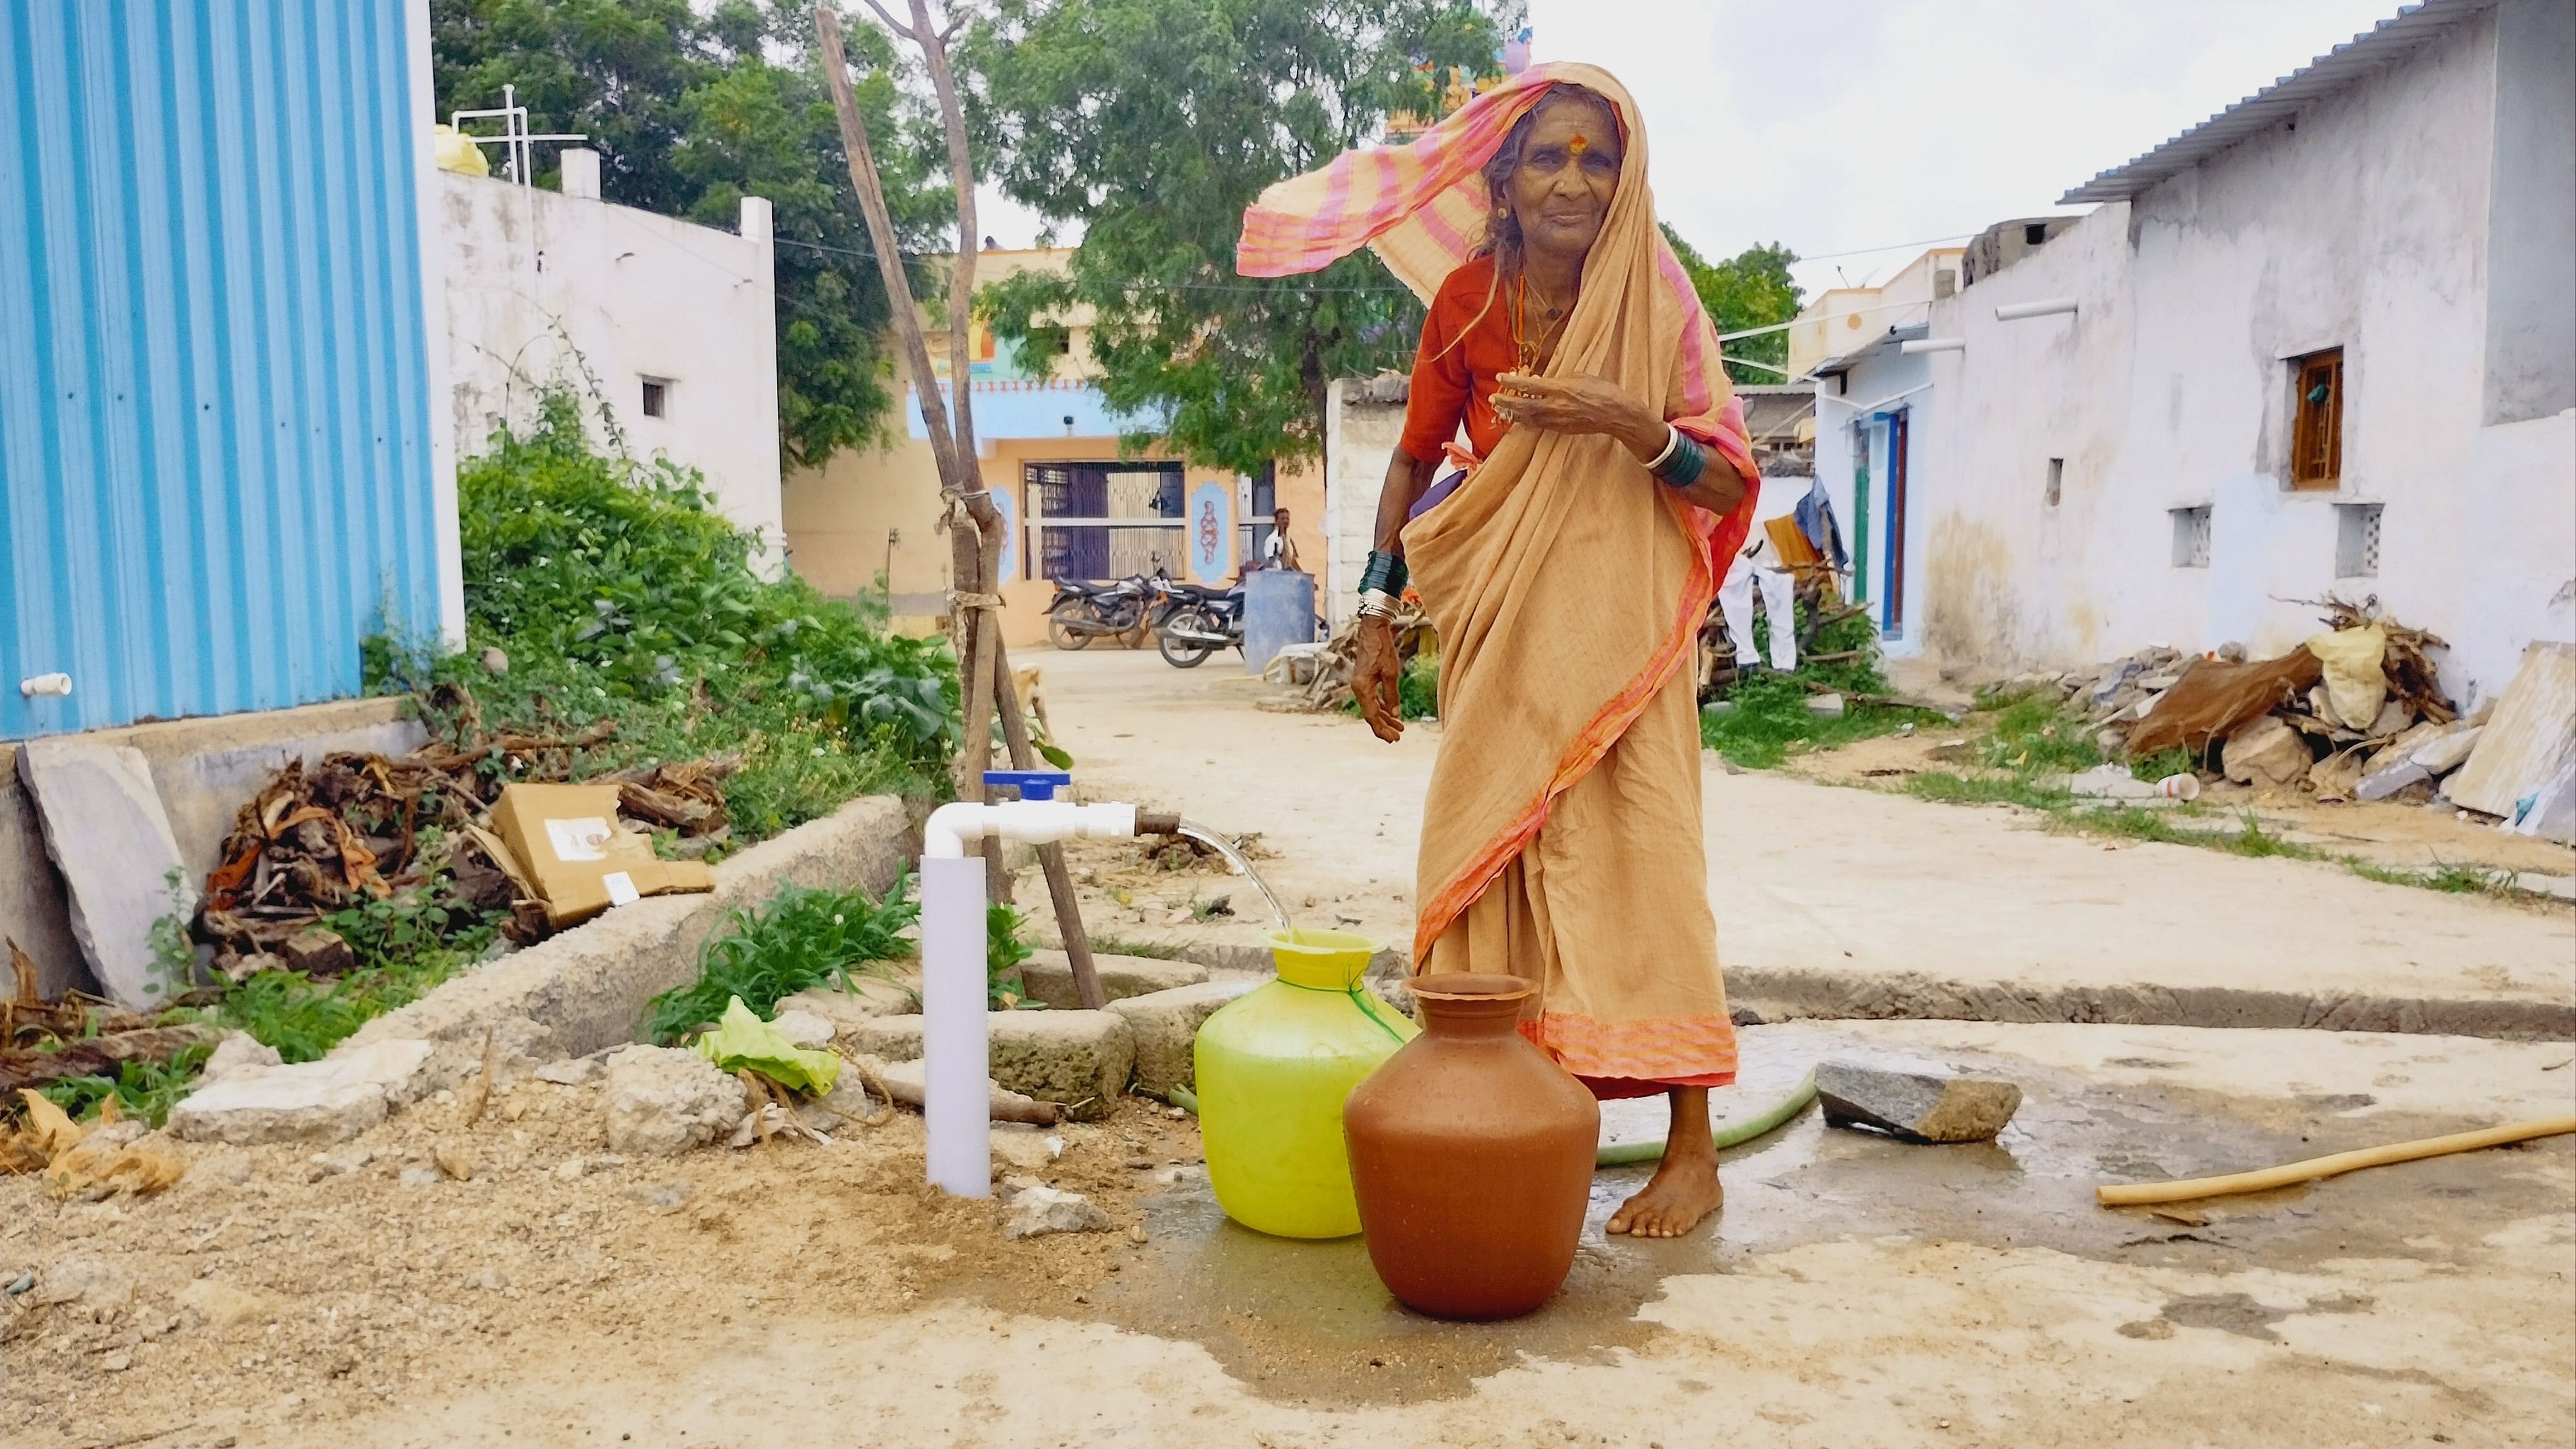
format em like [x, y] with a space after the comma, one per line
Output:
[2323, 343]
[1074, 501]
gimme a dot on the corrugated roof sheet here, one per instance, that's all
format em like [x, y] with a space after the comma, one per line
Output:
[215, 467]
[2409, 28]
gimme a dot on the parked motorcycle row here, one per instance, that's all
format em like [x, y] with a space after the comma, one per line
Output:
[1188, 621]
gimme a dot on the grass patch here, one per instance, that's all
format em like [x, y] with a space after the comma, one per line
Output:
[143, 1090]
[1770, 720]
[798, 938]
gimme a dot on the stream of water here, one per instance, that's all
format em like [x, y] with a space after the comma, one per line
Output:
[1242, 867]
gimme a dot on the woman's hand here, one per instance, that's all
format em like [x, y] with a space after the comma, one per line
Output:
[1580, 405]
[1376, 677]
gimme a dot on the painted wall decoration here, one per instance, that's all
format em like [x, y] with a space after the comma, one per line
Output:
[1211, 532]
[1007, 504]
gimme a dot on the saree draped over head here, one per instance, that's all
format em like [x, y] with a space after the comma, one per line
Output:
[1561, 839]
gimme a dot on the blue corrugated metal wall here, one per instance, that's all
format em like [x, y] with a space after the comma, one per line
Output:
[215, 463]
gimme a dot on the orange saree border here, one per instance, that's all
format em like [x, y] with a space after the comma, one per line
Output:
[1653, 1053]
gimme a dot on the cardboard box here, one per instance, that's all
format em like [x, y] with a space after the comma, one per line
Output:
[581, 858]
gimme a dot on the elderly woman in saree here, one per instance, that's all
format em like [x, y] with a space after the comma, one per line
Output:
[1566, 548]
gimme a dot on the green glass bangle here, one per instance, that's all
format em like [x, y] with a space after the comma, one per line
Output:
[1385, 573]
[1682, 467]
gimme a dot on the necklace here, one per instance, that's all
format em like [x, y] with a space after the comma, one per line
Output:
[1531, 351]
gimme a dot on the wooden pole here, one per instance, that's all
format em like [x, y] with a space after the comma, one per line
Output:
[2142, 1193]
[1068, 910]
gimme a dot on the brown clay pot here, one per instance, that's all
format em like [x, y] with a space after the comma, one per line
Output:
[1472, 1155]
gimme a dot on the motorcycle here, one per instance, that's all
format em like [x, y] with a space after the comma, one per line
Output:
[1201, 622]
[1084, 610]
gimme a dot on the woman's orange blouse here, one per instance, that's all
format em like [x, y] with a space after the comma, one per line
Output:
[1451, 383]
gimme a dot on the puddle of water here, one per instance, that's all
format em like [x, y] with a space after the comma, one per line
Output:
[1309, 1322]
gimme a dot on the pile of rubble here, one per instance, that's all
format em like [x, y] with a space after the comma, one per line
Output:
[2356, 713]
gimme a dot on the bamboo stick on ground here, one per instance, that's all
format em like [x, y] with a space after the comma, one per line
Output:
[2140, 1194]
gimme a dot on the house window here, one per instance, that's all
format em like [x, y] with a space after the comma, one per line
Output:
[657, 397]
[2056, 480]
[2191, 537]
[2356, 540]
[2316, 429]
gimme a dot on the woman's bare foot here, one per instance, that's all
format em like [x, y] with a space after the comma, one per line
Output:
[1684, 1189]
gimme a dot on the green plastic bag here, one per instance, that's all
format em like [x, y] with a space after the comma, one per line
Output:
[741, 1039]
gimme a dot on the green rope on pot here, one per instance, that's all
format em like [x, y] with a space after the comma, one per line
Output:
[1623, 1154]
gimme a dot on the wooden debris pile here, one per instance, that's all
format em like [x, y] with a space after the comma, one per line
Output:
[42, 1041]
[2355, 713]
[360, 827]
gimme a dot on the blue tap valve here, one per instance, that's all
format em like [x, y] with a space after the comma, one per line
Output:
[1032, 784]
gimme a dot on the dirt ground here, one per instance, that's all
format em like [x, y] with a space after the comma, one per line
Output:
[1855, 1291]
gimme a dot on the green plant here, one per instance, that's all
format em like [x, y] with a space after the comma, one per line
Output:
[2040, 735]
[1769, 716]
[2252, 841]
[303, 1017]
[799, 937]
[174, 957]
[1004, 952]
[2171, 760]
[620, 596]
[143, 1090]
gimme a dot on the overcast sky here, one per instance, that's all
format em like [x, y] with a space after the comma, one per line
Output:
[1839, 125]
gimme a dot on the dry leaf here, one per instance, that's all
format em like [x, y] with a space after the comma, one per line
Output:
[54, 1132]
[93, 1170]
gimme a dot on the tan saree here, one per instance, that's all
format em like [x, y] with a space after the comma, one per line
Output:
[1561, 839]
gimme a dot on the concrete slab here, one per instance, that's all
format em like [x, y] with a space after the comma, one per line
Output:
[1847, 902]
[1080, 1058]
[331, 1100]
[1049, 976]
[110, 842]
[1166, 1025]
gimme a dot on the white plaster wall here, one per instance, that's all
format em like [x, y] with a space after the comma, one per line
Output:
[542, 286]
[1359, 437]
[2362, 225]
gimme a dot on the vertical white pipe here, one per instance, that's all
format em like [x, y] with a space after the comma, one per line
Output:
[956, 1037]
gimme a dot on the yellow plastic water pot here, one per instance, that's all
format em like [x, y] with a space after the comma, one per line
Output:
[1273, 1071]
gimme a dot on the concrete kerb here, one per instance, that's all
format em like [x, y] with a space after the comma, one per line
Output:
[1792, 993]
[589, 986]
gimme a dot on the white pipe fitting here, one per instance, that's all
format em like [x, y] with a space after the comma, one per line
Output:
[952, 828]
[956, 1038]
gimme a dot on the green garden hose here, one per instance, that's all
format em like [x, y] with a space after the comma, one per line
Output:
[1736, 1134]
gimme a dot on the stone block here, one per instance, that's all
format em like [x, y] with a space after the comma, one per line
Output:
[1048, 975]
[110, 839]
[1165, 1026]
[2266, 754]
[331, 1100]
[868, 998]
[1079, 1058]
[1915, 1107]
[2448, 750]
[1037, 1210]
[665, 1100]
[2383, 783]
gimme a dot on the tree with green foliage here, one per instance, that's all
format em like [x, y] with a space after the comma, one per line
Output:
[693, 111]
[1750, 289]
[1153, 124]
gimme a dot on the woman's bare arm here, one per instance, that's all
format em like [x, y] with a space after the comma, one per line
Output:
[1406, 478]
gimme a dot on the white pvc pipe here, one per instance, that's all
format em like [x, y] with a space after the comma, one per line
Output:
[2015, 311]
[956, 1036]
[1933, 344]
